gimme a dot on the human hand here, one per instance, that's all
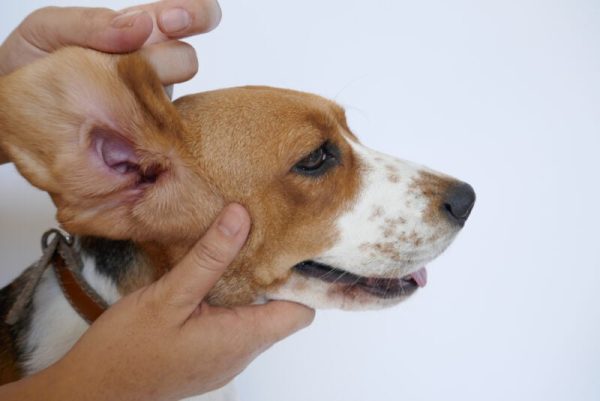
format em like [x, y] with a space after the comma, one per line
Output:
[155, 26]
[161, 342]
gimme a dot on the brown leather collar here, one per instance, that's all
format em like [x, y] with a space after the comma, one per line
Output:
[60, 253]
[87, 303]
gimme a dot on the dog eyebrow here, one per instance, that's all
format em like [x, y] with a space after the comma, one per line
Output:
[322, 122]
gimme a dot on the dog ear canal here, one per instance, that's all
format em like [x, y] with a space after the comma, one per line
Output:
[119, 156]
[116, 153]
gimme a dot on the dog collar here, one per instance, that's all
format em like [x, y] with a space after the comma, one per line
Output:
[59, 253]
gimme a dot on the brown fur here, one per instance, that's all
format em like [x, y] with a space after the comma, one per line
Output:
[206, 150]
[435, 188]
[52, 108]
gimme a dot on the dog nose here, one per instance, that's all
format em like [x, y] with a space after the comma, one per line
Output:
[459, 202]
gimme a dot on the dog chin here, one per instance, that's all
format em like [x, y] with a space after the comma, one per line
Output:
[319, 294]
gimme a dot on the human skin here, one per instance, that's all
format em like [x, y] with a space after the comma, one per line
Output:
[160, 342]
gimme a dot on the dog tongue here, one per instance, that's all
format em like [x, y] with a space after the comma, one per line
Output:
[420, 277]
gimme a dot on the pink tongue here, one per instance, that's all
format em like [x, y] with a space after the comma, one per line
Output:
[420, 276]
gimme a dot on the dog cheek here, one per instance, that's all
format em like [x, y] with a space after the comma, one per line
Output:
[179, 206]
[233, 289]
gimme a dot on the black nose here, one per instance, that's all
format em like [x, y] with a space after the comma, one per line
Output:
[459, 202]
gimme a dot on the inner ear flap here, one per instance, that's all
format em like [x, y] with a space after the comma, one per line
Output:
[122, 160]
[140, 133]
[116, 152]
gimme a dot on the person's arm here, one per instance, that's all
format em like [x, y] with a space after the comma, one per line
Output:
[163, 343]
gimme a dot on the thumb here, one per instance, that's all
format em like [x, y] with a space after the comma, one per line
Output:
[186, 285]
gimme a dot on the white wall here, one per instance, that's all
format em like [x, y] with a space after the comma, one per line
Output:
[503, 94]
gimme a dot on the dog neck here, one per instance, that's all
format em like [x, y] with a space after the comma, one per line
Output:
[53, 325]
[127, 265]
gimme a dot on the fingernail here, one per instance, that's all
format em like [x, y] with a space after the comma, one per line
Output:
[175, 20]
[230, 223]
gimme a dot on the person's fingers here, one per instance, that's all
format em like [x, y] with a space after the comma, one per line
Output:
[184, 287]
[102, 29]
[173, 61]
[48, 29]
[181, 18]
[277, 320]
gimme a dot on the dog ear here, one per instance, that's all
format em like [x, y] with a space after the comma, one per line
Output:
[99, 134]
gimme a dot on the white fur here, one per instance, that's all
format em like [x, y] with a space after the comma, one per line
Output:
[389, 190]
[383, 234]
[55, 326]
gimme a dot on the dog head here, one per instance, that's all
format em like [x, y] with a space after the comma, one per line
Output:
[334, 224]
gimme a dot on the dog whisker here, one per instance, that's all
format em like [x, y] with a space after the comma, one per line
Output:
[339, 277]
[351, 286]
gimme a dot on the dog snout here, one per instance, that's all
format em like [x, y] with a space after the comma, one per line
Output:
[458, 203]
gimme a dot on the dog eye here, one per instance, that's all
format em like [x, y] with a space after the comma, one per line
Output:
[318, 161]
[314, 160]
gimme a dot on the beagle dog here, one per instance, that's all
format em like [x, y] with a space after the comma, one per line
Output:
[138, 179]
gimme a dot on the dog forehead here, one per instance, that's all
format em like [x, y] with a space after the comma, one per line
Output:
[255, 111]
[246, 140]
[257, 123]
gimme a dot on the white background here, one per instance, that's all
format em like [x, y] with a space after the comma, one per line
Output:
[504, 95]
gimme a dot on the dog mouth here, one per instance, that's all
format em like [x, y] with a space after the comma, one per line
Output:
[377, 286]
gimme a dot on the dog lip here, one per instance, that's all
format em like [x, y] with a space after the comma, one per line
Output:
[376, 286]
